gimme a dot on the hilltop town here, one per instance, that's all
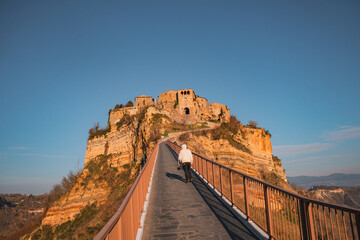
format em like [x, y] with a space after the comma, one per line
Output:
[181, 106]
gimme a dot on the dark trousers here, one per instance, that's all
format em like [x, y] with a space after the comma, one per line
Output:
[186, 167]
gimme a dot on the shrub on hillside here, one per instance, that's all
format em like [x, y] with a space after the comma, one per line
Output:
[252, 123]
[118, 106]
[272, 178]
[129, 104]
[96, 131]
[124, 121]
[276, 160]
[60, 189]
[226, 130]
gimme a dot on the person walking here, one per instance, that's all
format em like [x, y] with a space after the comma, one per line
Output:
[186, 159]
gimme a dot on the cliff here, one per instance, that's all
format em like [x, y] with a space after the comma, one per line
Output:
[114, 156]
[243, 148]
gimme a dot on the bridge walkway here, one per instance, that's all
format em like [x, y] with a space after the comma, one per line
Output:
[186, 211]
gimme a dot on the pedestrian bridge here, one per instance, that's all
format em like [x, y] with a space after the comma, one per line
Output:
[220, 203]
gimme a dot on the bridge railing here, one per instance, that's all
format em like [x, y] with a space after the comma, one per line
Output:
[126, 221]
[280, 213]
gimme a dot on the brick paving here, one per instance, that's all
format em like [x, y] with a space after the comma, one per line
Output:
[186, 211]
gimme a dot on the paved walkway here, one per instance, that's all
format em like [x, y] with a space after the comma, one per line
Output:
[186, 211]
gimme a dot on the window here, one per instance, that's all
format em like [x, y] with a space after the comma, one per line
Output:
[185, 99]
[186, 111]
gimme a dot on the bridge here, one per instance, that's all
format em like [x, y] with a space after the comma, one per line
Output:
[220, 203]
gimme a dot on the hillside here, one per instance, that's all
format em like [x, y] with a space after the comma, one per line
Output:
[244, 148]
[347, 196]
[17, 211]
[98, 191]
[336, 179]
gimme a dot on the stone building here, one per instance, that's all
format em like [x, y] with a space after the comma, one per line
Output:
[182, 106]
[144, 101]
[186, 103]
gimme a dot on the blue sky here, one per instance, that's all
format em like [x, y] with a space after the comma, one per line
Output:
[292, 66]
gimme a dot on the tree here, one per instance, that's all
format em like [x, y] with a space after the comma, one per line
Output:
[129, 104]
[252, 123]
[119, 106]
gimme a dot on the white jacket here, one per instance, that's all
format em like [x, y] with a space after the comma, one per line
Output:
[185, 155]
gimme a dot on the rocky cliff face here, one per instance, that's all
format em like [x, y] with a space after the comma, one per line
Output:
[116, 154]
[242, 148]
[122, 149]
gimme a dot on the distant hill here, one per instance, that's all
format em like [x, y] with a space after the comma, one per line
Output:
[336, 179]
[347, 196]
[18, 212]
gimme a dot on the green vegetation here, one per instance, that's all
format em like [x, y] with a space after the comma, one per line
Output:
[70, 229]
[176, 103]
[272, 178]
[96, 131]
[157, 118]
[129, 104]
[266, 132]
[100, 170]
[276, 160]
[254, 125]
[126, 166]
[118, 106]
[60, 190]
[214, 121]
[124, 121]
[92, 218]
[226, 131]
[166, 133]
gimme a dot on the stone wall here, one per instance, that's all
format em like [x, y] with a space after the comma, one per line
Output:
[184, 102]
[144, 101]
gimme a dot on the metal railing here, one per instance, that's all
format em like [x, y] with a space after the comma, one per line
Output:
[126, 221]
[280, 213]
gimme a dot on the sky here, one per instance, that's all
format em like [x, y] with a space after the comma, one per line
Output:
[292, 66]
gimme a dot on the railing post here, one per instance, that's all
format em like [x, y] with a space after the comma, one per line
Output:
[202, 167]
[213, 177]
[246, 198]
[268, 212]
[207, 171]
[221, 191]
[231, 188]
[357, 218]
[197, 163]
[307, 223]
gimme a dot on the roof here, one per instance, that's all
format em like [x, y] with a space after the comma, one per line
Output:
[143, 96]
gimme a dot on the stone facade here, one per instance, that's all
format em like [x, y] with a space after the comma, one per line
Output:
[186, 103]
[144, 101]
[182, 106]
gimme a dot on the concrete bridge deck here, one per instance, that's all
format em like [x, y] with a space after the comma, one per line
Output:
[186, 211]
